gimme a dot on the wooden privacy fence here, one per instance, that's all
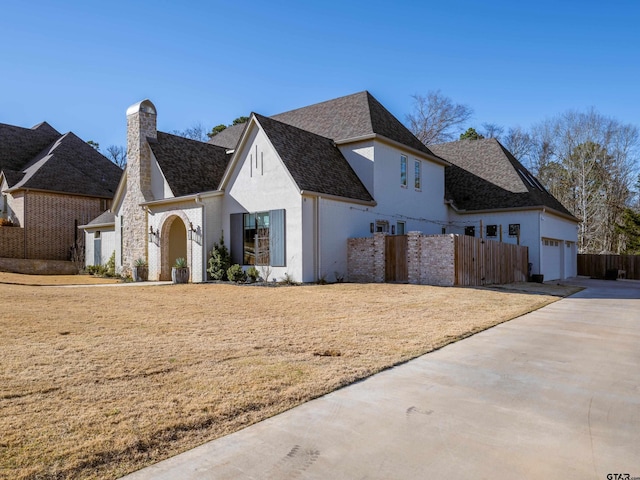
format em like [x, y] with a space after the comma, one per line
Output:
[596, 266]
[445, 260]
[486, 262]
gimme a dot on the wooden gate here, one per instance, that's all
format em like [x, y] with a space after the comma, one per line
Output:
[395, 269]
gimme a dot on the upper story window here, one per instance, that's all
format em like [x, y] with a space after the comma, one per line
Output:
[403, 170]
[417, 179]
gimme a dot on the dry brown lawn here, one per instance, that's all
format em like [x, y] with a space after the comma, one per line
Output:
[98, 382]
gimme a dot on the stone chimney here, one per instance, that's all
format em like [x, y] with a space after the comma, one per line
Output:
[141, 129]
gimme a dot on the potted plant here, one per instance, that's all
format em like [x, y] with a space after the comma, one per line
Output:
[140, 272]
[180, 271]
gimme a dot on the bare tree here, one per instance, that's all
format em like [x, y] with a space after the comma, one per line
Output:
[491, 130]
[117, 154]
[436, 119]
[519, 143]
[195, 132]
[589, 163]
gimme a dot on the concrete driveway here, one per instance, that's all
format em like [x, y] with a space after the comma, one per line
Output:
[552, 394]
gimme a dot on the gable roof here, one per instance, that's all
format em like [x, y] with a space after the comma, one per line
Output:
[484, 176]
[349, 117]
[19, 145]
[189, 166]
[314, 162]
[68, 165]
[106, 218]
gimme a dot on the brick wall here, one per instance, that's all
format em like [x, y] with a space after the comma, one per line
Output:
[51, 220]
[11, 242]
[430, 259]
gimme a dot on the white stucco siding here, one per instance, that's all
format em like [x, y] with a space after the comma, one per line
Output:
[159, 187]
[107, 245]
[422, 209]
[188, 212]
[361, 157]
[258, 183]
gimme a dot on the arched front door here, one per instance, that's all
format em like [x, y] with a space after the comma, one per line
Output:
[174, 245]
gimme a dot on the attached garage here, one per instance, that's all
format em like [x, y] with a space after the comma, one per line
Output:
[552, 261]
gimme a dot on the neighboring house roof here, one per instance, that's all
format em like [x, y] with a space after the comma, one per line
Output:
[19, 145]
[107, 218]
[349, 117]
[68, 165]
[189, 166]
[484, 175]
[314, 162]
[229, 137]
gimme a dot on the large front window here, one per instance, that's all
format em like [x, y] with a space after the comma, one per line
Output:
[256, 239]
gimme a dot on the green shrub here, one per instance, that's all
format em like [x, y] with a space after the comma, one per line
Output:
[235, 274]
[219, 261]
[111, 265]
[181, 262]
[252, 273]
[141, 262]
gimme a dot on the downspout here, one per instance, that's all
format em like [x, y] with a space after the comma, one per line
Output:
[204, 236]
[24, 230]
[318, 236]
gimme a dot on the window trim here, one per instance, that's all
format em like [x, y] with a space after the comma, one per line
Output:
[404, 180]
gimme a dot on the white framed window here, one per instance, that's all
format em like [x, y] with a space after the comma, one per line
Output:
[403, 171]
[417, 176]
[382, 226]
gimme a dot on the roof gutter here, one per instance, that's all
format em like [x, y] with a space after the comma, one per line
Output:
[338, 198]
[401, 146]
[194, 197]
[513, 209]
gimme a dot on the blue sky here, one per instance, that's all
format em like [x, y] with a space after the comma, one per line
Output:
[80, 64]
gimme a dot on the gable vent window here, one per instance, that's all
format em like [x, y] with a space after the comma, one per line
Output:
[403, 171]
[492, 230]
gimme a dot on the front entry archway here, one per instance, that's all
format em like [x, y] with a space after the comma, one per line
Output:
[174, 245]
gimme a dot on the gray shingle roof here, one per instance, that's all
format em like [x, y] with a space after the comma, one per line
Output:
[229, 137]
[315, 162]
[484, 175]
[189, 166]
[19, 145]
[68, 165]
[107, 217]
[349, 117]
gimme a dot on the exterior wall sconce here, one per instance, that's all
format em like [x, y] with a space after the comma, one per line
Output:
[372, 227]
[393, 229]
[154, 236]
[194, 234]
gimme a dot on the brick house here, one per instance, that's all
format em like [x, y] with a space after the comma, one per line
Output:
[50, 183]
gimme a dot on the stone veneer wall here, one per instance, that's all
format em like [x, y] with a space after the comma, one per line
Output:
[141, 124]
[430, 259]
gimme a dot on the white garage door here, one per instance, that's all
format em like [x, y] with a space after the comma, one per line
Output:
[551, 259]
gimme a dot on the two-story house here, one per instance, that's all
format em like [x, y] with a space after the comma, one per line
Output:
[285, 191]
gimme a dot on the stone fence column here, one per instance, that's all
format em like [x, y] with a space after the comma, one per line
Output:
[379, 257]
[414, 253]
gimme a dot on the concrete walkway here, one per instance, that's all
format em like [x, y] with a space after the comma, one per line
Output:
[552, 394]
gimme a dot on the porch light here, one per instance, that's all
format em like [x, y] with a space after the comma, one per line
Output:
[154, 237]
[193, 234]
